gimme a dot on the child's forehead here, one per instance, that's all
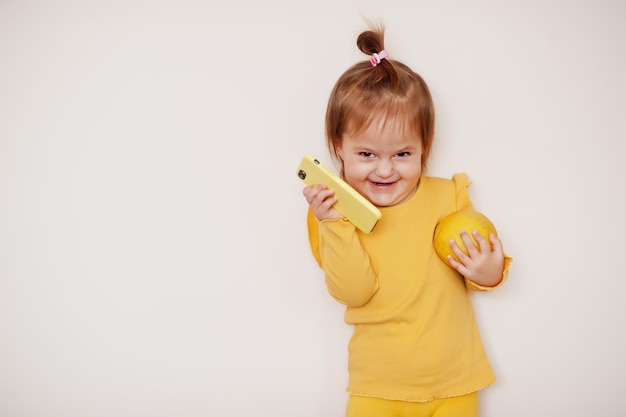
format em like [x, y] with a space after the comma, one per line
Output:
[385, 134]
[385, 124]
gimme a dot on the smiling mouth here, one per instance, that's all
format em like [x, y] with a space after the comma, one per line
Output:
[383, 184]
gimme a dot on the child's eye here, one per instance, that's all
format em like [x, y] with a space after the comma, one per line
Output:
[403, 154]
[366, 154]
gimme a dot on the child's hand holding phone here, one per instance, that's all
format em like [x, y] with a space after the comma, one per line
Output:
[321, 200]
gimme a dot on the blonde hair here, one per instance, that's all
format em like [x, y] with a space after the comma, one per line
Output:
[389, 92]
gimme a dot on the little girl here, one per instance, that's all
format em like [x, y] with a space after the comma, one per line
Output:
[416, 348]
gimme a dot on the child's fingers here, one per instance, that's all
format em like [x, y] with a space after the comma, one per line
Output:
[458, 266]
[498, 249]
[469, 244]
[310, 191]
[461, 256]
[322, 198]
[483, 243]
[328, 203]
[316, 194]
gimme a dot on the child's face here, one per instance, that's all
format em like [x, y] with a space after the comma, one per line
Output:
[384, 164]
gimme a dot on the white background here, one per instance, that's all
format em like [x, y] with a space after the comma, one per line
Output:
[153, 251]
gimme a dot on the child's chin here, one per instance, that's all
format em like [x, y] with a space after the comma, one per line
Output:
[380, 202]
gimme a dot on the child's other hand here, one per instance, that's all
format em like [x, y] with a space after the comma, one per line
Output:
[482, 265]
[321, 200]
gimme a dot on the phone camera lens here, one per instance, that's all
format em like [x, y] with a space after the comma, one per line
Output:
[316, 162]
[302, 174]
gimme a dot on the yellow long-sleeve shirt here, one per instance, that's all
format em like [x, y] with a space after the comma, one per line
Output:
[415, 336]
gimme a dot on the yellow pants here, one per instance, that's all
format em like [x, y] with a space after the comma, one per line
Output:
[463, 406]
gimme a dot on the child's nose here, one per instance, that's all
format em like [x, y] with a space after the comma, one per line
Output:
[384, 168]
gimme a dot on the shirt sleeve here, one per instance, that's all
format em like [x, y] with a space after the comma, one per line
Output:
[349, 276]
[476, 287]
[463, 201]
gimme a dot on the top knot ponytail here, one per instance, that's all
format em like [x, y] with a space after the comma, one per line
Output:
[371, 41]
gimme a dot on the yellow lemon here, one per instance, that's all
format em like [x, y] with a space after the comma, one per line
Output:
[450, 226]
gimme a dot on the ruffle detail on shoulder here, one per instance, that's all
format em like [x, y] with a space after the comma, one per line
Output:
[461, 184]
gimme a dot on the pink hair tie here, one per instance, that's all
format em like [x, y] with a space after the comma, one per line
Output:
[376, 58]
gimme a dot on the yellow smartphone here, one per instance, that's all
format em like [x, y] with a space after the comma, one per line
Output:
[352, 205]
